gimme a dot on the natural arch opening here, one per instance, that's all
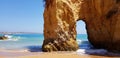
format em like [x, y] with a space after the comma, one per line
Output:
[82, 37]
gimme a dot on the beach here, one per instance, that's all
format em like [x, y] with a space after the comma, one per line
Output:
[58, 54]
[60, 29]
[29, 46]
[45, 55]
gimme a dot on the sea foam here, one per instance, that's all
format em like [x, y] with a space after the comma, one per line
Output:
[92, 51]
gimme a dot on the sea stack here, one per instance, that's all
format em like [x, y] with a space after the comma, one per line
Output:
[102, 19]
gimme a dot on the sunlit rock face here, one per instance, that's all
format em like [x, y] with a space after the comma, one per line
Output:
[102, 18]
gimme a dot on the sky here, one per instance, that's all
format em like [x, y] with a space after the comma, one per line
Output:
[25, 16]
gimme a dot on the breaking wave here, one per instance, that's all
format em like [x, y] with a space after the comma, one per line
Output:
[12, 38]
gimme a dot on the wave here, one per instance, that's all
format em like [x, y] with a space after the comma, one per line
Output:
[87, 48]
[92, 51]
[8, 36]
[82, 42]
[101, 52]
[12, 38]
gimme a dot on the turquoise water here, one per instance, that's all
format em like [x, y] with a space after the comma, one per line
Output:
[34, 41]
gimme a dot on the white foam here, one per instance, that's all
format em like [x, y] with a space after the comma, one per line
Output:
[13, 39]
[92, 51]
[81, 51]
[8, 36]
[79, 41]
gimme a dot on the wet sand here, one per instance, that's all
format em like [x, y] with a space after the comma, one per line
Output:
[48, 55]
[27, 54]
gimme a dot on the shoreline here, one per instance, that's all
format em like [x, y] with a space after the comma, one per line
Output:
[34, 50]
[58, 54]
[45, 55]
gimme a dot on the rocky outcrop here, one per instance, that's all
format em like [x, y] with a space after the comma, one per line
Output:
[102, 18]
[3, 38]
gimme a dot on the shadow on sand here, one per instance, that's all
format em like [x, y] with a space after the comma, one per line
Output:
[91, 51]
[34, 48]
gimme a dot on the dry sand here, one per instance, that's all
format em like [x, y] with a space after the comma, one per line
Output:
[51, 55]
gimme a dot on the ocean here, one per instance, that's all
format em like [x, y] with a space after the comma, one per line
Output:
[33, 43]
[27, 41]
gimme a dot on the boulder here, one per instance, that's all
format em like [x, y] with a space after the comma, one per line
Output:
[3, 38]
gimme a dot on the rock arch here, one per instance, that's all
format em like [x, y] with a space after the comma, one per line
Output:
[102, 18]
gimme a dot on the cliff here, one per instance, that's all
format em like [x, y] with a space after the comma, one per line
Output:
[102, 18]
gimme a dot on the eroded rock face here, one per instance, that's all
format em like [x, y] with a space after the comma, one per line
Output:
[102, 18]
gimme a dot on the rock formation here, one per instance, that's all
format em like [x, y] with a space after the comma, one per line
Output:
[3, 38]
[102, 18]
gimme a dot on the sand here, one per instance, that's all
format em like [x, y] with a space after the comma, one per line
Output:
[52, 55]
[24, 54]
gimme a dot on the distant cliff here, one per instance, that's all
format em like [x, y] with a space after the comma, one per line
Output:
[102, 18]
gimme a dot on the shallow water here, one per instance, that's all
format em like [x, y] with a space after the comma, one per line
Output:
[29, 41]
[33, 43]
[22, 41]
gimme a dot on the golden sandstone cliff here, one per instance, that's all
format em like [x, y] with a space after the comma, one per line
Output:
[102, 18]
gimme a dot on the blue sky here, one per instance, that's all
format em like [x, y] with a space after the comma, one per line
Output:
[24, 16]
